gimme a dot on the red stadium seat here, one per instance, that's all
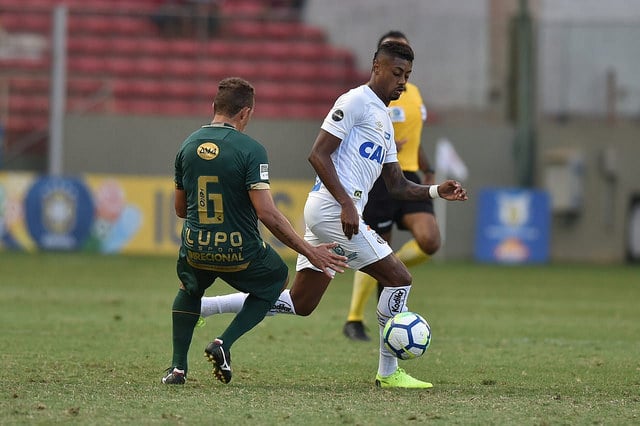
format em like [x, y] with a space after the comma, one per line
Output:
[181, 68]
[85, 86]
[186, 89]
[28, 104]
[26, 85]
[246, 29]
[89, 46]
[147, 67]
[92, 65]
[15, 22]
[121, 67]
[212, 70]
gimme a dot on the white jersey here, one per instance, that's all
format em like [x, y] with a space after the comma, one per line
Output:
[361, 120]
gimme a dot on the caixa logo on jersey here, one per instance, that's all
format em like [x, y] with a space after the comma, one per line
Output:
[397, 301]
[372, 151]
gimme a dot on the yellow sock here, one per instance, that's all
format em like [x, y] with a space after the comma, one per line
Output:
[363, 286]
[411, 255]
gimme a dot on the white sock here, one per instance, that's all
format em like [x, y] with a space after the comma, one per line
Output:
[232, 304]
[284, 304]
[226, 304]
[392, 301]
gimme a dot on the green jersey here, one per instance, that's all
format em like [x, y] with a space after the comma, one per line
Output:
[216, 166]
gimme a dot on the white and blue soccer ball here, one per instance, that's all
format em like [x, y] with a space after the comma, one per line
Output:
[407, 335]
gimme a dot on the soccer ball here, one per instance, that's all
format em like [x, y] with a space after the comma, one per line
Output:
[407, 335]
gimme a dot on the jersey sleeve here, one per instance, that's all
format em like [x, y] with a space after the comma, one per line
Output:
[344, 115]
[257, 176]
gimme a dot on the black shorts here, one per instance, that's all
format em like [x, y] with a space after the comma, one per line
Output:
[382, 211]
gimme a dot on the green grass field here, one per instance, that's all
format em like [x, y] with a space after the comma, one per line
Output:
[85, 340]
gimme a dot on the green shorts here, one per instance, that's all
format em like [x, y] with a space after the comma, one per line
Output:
[264, 277]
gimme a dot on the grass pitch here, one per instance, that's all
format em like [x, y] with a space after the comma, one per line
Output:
[85, 340]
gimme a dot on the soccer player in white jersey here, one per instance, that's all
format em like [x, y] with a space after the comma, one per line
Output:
[355, 145]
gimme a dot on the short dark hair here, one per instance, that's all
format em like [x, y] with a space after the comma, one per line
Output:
[234, 93]
[395, 49]
[392, 34]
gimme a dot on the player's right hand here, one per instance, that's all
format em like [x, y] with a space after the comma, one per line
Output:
[324, 258]
[452, 190]
[350, 220]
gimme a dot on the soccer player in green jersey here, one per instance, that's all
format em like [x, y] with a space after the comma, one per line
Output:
[222, 190]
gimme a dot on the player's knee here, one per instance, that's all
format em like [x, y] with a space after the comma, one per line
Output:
[429, 246]
[403, 277]
[302, 307]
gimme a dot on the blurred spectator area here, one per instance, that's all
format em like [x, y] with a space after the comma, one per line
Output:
[158, 57]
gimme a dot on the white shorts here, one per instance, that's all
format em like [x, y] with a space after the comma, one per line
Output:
[323, 225]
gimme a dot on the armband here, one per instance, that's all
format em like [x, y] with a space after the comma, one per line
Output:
[433, 192]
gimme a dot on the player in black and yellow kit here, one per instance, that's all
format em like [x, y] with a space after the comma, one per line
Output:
[222, 190]
[408, 115]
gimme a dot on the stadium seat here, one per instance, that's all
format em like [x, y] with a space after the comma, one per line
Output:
[137, 89]
[219, 49]
[133, 47]
[121, 67]
[245, 9]
[213, 69]
[26, 85]
[247, 69]
[85, 86]
[90, 24]
[91, 65]
[181, 68]
[28, 104]
[15, 22]
[186, 48]
[267, 91]
[90, 46]
[246, 29]
[186, 89]
[145, 67]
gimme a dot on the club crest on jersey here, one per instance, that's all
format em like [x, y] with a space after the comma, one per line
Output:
[340, 251]
[337, 115]
[208, 151]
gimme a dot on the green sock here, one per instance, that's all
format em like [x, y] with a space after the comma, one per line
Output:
[185, 313]
[252, 312]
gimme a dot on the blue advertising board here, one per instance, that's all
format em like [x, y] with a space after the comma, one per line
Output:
[513, 226]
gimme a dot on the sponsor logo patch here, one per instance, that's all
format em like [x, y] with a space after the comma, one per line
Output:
[337, 115]
[264, 171]
[397, 301]
[208, 151]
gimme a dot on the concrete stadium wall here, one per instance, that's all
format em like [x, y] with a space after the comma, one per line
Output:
[598, 230]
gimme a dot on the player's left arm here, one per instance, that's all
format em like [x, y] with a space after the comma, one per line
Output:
[401, 188]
